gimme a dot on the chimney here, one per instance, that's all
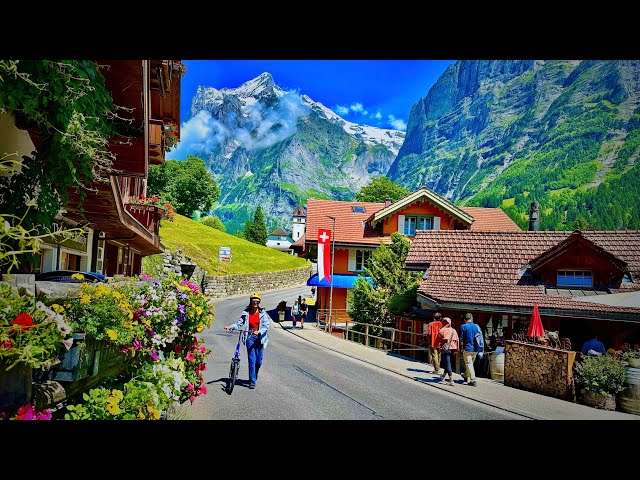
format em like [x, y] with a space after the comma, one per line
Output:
[387, 202]
[534, 214]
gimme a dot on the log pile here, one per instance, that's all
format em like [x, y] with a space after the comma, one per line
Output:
[540, 369]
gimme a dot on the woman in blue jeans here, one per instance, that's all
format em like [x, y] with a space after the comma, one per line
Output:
[448, 337]
[255, 321]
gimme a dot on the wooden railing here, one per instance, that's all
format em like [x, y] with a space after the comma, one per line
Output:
[383, 338]
[147, 215]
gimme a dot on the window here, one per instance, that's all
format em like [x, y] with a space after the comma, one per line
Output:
[574, 278]
[418, 222]
[361, 257]
[358, 209]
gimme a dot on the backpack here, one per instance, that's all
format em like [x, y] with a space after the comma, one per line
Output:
[478, 340]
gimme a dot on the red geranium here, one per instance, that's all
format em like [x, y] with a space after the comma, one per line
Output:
[23, 322]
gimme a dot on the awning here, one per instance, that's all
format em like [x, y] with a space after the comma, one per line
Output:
[339, 281]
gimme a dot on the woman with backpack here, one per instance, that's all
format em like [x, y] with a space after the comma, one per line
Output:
[448, 341]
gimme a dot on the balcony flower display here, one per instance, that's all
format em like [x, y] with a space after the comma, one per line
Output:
[167, 209]
[171, 137]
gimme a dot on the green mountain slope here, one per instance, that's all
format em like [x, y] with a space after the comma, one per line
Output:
[505, 133]
[201, 243]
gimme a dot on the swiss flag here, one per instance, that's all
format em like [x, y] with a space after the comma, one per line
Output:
[324, 254]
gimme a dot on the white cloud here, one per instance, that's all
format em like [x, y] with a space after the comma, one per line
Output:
[377, 115]
[260, 127]
[341, 110]
[357, 107]
[397, 123]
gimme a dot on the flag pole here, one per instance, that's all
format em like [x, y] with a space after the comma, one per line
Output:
[333, 243]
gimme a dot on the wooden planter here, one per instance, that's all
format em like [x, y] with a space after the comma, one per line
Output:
[84, 359]
[603, 402]
[15, 386]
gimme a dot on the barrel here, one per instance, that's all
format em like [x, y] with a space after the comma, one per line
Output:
[496, 366]
[628, 400]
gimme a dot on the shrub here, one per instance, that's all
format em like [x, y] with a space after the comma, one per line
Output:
[600, 375]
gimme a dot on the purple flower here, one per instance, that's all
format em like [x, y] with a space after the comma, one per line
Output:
[182, 308]
[154, 355]
[136, 344]
[149, 331]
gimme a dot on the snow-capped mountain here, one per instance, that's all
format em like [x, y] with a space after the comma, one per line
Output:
[271, 147]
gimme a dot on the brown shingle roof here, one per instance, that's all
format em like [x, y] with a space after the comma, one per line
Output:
[484, 267]
[299, 211]
[491, 220]
[279, 232]
[299, 242]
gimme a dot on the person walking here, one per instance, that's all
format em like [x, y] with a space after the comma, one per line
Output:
[472, 345]
[432, 341]
[295, 311]
[448, 342]
[256, 322]
[304, 308]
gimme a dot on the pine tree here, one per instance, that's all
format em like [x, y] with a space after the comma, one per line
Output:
[256, 231]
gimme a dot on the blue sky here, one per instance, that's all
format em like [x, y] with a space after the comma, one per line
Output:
[371, 92]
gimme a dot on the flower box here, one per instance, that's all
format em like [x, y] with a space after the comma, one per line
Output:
[15, 386]
[85, 359]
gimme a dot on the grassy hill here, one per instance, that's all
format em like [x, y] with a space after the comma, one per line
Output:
[201, 243]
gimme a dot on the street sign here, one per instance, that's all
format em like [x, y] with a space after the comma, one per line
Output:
[224, 254]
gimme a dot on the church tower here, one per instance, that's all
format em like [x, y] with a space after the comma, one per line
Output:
[299, 223]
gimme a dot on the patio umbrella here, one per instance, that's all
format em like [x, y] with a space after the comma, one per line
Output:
[535, 325]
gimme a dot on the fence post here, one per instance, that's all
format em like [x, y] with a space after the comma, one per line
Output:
[366, 334]
[346, 330]
[393, 336]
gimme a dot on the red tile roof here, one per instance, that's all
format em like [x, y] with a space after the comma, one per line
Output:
[299, 242]
[485, 267]
[491, 220]
[349, 224]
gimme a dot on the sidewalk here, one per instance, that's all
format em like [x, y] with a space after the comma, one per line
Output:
[490, 392]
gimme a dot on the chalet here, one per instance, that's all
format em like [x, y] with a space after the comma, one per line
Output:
[360, 227]
[280, 240]
[119, 232]
[584, 283]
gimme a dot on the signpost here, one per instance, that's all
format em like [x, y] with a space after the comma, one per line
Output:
[224, 255]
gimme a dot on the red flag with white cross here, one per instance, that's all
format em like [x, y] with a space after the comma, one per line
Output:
[324, 254]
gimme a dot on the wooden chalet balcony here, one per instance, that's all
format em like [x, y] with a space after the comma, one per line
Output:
[165, 83]
[156, 142]
[148, 215]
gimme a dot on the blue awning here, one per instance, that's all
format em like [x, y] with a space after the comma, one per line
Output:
[339, 281]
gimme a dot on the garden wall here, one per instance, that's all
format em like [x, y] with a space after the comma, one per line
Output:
[238, 284]
[539, 369]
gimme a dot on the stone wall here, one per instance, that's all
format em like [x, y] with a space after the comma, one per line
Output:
[238, 284]
[539, 369]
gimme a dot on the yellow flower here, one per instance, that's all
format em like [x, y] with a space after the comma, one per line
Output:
[199, 311]
[130, 315]
[84, 299]
[200, 328]
[113, 335]
[57, 308]
[155, 413]
[117, 394]
[113, 408]
[77, 276]
[141, 415]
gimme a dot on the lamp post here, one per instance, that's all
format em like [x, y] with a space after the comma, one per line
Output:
[333, 244]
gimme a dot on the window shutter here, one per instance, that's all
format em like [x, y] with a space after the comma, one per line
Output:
[352, 260]
[401, 224]
[436, 223]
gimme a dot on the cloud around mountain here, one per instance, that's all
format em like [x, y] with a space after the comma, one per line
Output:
[261, 127]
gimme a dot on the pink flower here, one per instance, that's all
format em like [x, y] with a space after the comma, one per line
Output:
[190, 357]
[190, 388]
[202, 391]
[44, 415]
[191, 399]
[144, 276]
[28, 412]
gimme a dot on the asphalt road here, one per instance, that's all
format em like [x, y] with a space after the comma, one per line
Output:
[302, 381]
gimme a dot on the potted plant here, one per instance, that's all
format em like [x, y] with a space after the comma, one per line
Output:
[600, 377]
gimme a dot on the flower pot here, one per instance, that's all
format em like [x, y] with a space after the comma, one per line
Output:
[84, 359]
[603, 402]
[15, 385]
[629, 399]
